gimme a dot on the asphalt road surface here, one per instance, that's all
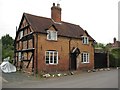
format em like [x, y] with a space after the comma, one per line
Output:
[100, 79]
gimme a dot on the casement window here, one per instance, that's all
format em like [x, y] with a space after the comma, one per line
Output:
[85, 57]
[51, 57]
[51, 35]
[85, 40]
[21, 34]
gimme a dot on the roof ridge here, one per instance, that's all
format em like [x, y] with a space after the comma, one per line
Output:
[70, 23]
[35, 15]
[50, 19]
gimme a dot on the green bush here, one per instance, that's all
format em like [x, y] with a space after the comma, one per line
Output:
[115, 58]
[7, 47]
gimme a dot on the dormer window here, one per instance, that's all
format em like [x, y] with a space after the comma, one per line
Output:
[51, 35]
[85, 40]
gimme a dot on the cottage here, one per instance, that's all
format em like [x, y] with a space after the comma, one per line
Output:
[115, 44]
[49, 44]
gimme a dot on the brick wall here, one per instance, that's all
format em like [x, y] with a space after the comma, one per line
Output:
[63, 53]
[62, 46]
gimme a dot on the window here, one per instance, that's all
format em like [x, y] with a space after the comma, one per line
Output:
[21, 34]
[51, 57]
[85, 57]
[52, 35]
[85, 40]
[19, 56]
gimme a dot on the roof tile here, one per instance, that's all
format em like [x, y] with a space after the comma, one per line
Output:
[40, 24]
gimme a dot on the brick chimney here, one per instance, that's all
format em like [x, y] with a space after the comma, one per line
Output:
[114, 40]
[56, 13]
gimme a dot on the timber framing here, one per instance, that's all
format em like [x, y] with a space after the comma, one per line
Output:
[24, 46]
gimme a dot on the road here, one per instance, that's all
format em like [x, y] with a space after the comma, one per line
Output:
[100, 79]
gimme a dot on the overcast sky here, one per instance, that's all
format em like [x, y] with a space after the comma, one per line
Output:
[98, 17]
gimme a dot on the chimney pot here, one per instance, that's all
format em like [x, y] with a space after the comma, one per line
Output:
[58, 5]
[53, 4]
[114, 39]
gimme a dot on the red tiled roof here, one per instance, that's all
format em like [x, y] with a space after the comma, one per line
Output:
[40, 24]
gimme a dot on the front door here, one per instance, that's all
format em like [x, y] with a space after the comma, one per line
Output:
[73, 61]
[74, 53]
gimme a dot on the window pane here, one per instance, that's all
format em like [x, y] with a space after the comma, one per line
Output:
[49, 36]
[53, 34]
[19, 56]
[55, 61]
[82, 57]
[51, 57]
[52, 38]
[47, 61]
[85, 40]
[87, 57]
[21, 34]
[47, 57]
[55, 57]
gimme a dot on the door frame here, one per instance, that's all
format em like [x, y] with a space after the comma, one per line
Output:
[73, 58]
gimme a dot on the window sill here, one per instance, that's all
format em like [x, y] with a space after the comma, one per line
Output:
[85, 44]
[51, 64]
[52, 40]
[85, 62]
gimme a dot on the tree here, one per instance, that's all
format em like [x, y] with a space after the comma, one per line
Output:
[7, 46]
[100, 45]
[115, 57]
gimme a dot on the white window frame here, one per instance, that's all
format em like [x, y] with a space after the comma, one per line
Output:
[85, 57]
[21, 34]
[85, 40]
[51, 35]
[53, 59]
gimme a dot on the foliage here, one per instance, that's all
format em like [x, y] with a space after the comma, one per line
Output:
[100, 45]
[115, 57]
[114, 54]
[7, 47]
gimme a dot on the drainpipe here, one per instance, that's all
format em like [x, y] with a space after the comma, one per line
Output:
[36, 53]
[70, 54]
[33, 54]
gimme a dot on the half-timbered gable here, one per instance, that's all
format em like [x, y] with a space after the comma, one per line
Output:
[24, 43]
